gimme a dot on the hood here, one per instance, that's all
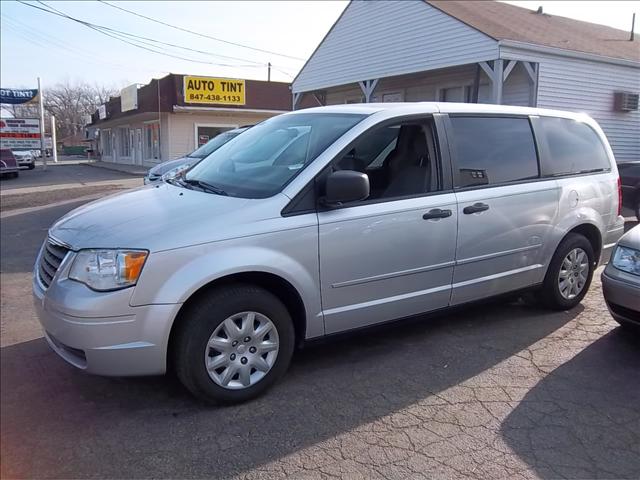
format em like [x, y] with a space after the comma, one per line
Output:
[160, 218]
[171, 164]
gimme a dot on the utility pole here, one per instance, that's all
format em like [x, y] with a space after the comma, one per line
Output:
[42, 146]
[269, 72]
[54, 149]
[159, 124]
[633, 26]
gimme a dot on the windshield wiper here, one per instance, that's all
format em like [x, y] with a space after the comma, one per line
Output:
[207, 187]
[177, 182]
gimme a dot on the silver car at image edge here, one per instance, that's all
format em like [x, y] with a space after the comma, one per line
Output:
[172, 168]
[621, 280]
[322, 221]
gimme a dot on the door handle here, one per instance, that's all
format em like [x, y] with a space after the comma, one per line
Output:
[436, 213]
[475, 208]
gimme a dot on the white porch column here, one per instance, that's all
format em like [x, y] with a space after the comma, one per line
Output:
[533, 70]
[367, 87]
[295, 100]
[496, 76]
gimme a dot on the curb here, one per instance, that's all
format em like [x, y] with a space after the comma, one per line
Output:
[115, 168]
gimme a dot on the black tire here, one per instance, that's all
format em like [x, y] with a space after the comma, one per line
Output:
[32, 166]
[549, 295]
[200, 321]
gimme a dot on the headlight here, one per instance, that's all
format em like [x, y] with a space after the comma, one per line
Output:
[174, 172]
[108, 269]
[627, 260]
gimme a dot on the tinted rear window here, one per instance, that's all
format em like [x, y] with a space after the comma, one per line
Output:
[573, 147]
[493, 150]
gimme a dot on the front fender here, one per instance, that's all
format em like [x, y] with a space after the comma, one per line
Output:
[173, 276]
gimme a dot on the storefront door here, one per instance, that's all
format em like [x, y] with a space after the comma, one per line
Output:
[204, 133]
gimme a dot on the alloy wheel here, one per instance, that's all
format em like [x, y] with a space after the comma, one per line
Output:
[573, 275]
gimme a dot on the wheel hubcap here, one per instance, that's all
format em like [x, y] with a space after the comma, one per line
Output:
[573, 273]
[241, 350]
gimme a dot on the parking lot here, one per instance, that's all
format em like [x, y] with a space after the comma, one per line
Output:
[493, 391]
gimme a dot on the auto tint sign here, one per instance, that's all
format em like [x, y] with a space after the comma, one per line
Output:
[214, 91]
[19, 133]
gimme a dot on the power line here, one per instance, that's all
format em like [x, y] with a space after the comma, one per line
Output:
[282, 71]
[154, 40]
[118, 35]
[35, 37]
[201, 34]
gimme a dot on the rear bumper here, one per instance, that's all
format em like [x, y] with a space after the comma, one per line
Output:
[622, 298]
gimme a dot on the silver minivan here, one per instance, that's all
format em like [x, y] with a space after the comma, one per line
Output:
[369, 213]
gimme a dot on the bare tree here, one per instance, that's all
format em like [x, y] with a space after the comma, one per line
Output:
[25, 110]
[70, 103]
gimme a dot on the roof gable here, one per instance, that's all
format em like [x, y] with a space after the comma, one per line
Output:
[503, 21]
[377, 39]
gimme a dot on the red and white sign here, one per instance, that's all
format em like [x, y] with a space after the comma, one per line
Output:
[19, 133]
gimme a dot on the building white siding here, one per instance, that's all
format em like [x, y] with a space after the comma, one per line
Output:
[588, 86]
[376, 39]
[516, 89]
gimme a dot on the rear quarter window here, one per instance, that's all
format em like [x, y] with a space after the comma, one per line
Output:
[493, 150]
[572, 147]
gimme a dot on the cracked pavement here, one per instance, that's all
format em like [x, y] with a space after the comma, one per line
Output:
[500, 390]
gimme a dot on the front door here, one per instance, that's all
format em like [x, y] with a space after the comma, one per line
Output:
[391, 255]
[505, 212]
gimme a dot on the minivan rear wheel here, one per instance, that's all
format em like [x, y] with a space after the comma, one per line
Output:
[569, 274]
[233, 344]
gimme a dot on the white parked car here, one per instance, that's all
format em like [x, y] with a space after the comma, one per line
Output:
[25, 159]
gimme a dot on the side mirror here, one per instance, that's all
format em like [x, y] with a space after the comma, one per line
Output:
[346, 186]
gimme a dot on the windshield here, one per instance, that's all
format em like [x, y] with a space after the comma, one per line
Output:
[259, 163]
[214, 144]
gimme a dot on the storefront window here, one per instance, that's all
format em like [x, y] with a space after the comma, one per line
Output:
[105, 137]
[456, 94]
[205, 133]
[152, 141]
[124, 144]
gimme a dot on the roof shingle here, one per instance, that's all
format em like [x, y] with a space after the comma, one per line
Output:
[502, 21]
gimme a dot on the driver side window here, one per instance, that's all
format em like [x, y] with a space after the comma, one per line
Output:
[400, 160]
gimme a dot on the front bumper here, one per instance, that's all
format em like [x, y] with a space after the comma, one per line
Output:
[611, 237]
[622, 297]
[101, 333]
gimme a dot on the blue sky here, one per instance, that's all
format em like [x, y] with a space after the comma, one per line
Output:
[35, 43]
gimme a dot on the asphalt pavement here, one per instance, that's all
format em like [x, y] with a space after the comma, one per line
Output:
[500, 390]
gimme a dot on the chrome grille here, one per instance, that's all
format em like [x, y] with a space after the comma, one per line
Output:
[50, 260]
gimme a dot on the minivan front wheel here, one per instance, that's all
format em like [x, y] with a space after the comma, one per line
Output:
[569, 274]
[233, 344]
